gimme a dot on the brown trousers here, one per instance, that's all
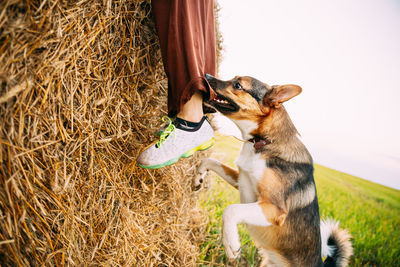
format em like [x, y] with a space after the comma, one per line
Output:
[187, 39]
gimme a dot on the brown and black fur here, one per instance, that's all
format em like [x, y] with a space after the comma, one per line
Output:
[294, 239]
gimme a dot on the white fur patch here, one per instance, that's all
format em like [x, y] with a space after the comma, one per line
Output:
[246, 127]
[251, 162]
[327, 227]
[302, 198]
[247, 189]
[252, 167]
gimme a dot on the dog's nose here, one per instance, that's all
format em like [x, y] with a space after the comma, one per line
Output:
[209, 77]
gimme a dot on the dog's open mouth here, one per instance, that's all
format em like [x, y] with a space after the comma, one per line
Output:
[223, 103]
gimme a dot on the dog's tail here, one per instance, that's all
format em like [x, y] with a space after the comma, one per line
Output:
[336, 244]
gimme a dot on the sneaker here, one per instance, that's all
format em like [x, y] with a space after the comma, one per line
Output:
[177, 141]
[168, 121]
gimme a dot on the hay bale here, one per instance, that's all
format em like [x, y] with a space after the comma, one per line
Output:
[82, 90]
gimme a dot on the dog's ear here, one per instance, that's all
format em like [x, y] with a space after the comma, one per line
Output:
[281, 93]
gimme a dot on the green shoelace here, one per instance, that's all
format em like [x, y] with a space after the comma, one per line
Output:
[164, 135]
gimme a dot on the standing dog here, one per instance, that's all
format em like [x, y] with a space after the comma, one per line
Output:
[275, 179]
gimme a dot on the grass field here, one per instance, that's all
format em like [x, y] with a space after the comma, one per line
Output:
[371, 213]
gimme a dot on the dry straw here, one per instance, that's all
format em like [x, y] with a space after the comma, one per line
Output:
[82, 91]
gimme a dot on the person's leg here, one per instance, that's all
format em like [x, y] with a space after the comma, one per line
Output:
[187, 41]
[193, 109]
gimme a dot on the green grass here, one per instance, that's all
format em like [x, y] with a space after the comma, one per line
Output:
[371, 213]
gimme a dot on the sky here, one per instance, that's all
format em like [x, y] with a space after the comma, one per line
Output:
[345, 54]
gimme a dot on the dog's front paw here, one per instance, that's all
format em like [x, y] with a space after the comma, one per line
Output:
[204, 165]
[232, 246]
[230, 236]
[201, 173]
[199, 180]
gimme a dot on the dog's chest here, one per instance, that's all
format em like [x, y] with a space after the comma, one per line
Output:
[251, 170]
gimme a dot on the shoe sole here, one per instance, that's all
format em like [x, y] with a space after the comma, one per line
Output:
[204, 146]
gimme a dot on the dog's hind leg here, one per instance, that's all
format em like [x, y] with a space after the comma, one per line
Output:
[227, 173]
[249, 213]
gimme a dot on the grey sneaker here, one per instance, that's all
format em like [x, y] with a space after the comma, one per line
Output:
[163, 127]
[176, 142]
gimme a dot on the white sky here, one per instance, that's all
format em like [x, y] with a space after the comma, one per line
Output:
[346, 57]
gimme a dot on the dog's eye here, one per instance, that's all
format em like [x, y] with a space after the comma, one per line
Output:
[237, 85]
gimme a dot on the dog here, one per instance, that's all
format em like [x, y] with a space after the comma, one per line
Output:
[275, 180]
